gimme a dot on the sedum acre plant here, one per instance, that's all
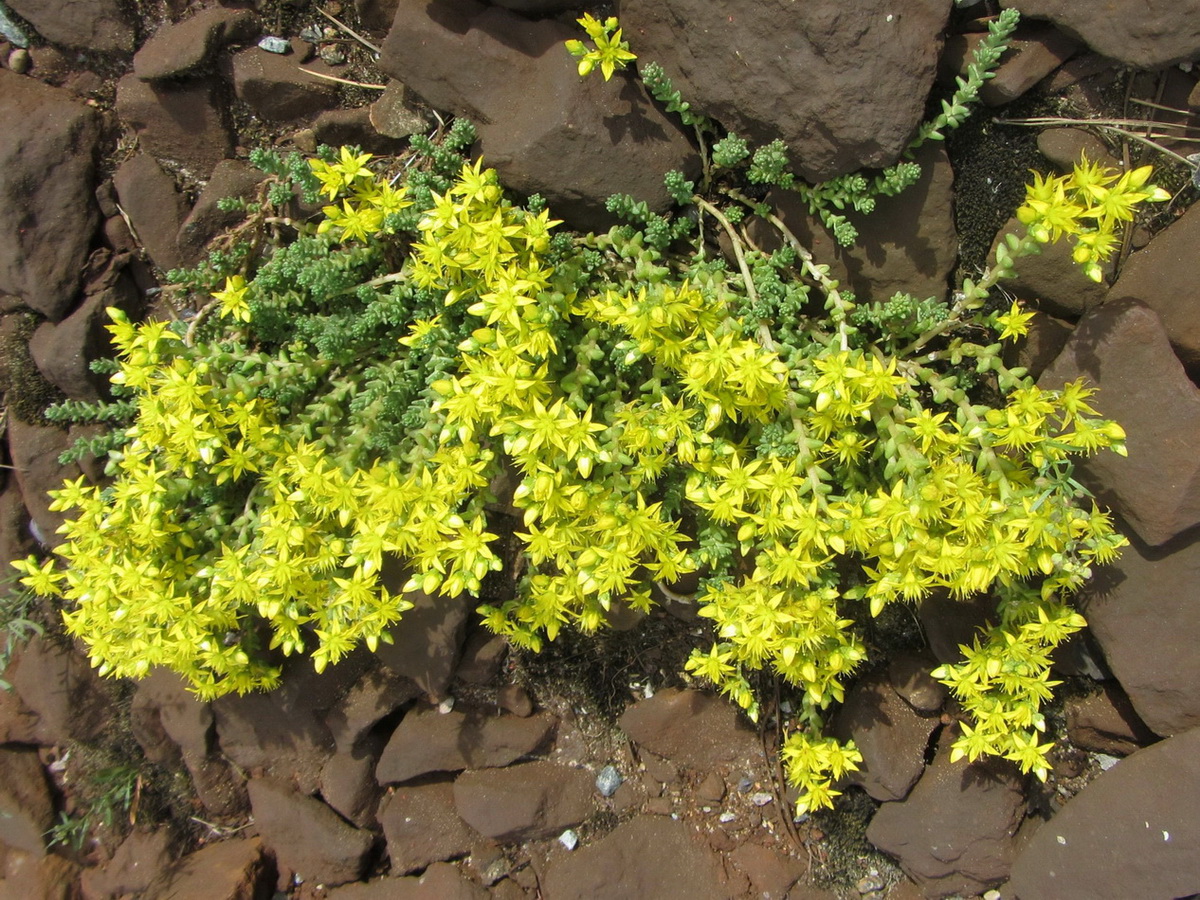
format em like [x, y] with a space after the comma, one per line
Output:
[357, 386]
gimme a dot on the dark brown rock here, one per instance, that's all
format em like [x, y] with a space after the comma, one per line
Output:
[26, 810]
[64, 351]
[953, 834]
[823, 60]
[186, 720]
[62, 689]
[771, 874]
[230, 178]
[34, 450]
[85, 24]
[180, 47]
[648, 856]
[142, 857]
[18, 723]
[348, 783]
[47, 209]
[542, 127]
[283, 733]
[1144, 611]
[393, 115]
[422, 826]
[228, 870]
[148, 196]
[306, 835]
[427, 741]
[352, 127]
[1051, 281]
[523, 802]
[1132, 832]
[1146, 34]
[441, 881]
[29, 876]
[1106, 722]
[1065, 147]
[696, 730]
[1122, 350]
[515, 699]
[427, 642]
[277, 89]
[892, 738]
[909, 676]
[181, 122]
[1034, 51]
[379, 694]
[1037, 350]
[1166, 277]
[483, 654]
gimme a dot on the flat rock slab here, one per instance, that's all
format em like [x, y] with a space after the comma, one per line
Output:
[86, 24]
[1133, 832]
[427, 741]
[178, 48]
[524, 802]
[47, 208]
[422, 827]
[694, 729]
[1166, 277]
[649, 856]
[1144, 610]
[1123, 351]
[441, 881]
[228, 870]
[306, 835]
[179, 121]
[954, 832]
[26, 810]
[545, 130]
[1146, 34]
[779, 69]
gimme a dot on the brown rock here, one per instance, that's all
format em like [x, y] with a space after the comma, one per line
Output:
[1164, 277]
[907, 244]
[1143, 611]
[909, 676]
[277, 89]
[441, 881]
[1132, 832]
[29, 876]
[142, 857]
[148, 196]
[182, 122]
[1037, 350]
[523, 802]
[393, 114]
[648, 856]
[26, 810]
[306, 835]
[823, 60]
[1065, 147]
[771, 873]
[422, 827]
[892, 738]
[543, 128]
[1106, 722]
[1050, 280]
[352, 127]
[178, 48]
[483, 654]
[47, 210]
[34, 450]
[515, 699]
[62, 689]
[1035, 51]
[1145, 34]
[428, 741]
[953, 833]
[230, 178]
[1121, 348]
[696, 730]
[85, 24]
[348, 783]
[427, 642]
[229, 870]
[378, 695]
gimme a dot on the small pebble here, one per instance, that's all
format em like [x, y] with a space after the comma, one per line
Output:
[311, 33]
[18, 61]
[726, 817]
[869, 883]
[332, 55]
[608, 781]
[762, 798]
[1106, 762]
[992, 895]
[569, 839]
[745, 784]
[446, 705]
[274, 44]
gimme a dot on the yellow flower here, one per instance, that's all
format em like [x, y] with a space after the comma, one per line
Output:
[233, 298]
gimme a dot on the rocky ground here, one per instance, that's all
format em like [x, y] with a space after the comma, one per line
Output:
[447, 766]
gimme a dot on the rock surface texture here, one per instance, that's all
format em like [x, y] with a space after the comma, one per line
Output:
[787, 70]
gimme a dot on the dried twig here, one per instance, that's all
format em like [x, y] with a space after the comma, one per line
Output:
[350, 31]
[361, 84]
